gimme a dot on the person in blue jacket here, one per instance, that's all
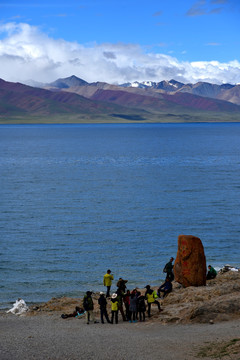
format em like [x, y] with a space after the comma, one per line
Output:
[165, 288]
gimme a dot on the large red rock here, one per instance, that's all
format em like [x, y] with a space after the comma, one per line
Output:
[190, 263]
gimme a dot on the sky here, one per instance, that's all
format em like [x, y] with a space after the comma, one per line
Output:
[120, 41]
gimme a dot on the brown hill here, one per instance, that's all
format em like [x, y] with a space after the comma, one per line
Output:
[40, 101]
[168, 96]
[232, 95]
[74, 100]
[205, 89]
[21, 100]
[201, 103]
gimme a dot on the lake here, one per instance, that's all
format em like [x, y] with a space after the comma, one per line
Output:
[76, 200]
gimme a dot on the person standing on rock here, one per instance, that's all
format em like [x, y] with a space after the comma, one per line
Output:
[168, 268]
[151, 296]
[107, 281]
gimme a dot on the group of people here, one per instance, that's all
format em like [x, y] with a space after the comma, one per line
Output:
[132, 305]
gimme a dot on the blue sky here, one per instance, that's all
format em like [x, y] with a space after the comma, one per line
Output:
[116, 42]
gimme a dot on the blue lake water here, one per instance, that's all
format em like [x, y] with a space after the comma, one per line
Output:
[76, 200]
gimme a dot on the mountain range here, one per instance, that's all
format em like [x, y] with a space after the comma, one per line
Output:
[73, 100]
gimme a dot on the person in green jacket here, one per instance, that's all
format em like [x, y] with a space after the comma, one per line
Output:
[107, 281]
[211, 273]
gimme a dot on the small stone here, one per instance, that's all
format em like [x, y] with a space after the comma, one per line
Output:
[211, 322]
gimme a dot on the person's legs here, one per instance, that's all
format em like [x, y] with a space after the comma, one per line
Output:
[106, 315]
[149, 309]
[91, 315]
[158, 305]
[102, 312]
[130, 316]
[87, 317]
[108, 291]
[122, 313]
[140, 315]
[116, 317]
[170, 276]
[127, 311]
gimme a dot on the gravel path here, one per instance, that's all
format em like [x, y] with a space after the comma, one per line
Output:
[46, 336]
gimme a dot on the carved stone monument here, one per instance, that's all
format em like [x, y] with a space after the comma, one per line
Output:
[190, 264]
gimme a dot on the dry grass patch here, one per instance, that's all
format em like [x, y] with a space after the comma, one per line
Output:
[224, 350]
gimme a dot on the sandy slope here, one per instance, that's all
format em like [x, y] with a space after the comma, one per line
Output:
[50, 337]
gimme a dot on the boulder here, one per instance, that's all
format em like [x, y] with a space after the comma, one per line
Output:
[190, 264]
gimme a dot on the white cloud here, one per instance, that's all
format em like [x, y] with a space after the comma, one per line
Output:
[27, 53]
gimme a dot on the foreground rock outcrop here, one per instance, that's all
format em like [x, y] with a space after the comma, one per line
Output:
[218, 301]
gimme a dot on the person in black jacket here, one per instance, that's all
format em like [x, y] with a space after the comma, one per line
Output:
[141, 306]
[103, 307]
[168, 268]
[88, 307]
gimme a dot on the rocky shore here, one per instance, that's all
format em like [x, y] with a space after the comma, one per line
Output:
[218, 301]
[196, 323]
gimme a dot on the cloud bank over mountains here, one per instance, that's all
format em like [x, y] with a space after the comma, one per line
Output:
[26, 52]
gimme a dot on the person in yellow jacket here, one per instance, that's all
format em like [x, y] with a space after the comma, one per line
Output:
[151, 296]
[107, 281]
[114, 303]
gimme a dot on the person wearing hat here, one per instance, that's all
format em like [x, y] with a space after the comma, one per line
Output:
[151, 296]
[107, 281]
[114, 302]
[88, 307]
[103, 307]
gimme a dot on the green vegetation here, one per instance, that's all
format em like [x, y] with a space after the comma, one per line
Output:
[161, 117]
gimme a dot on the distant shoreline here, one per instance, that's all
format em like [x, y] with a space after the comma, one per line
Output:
[64, 123]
